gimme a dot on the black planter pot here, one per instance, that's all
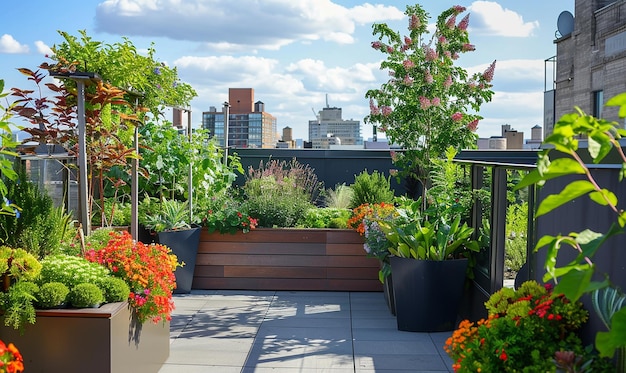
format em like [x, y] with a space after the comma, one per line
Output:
[389, 295]
[184, 244]
[427, 293]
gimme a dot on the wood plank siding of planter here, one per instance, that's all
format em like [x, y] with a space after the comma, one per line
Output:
[285, 259]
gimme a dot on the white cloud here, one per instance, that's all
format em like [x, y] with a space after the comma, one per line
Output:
[270, 24]
[43, 48]
[9, 45]
[488, 17]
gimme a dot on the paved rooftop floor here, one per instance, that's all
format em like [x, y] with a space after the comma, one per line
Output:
[285, 332]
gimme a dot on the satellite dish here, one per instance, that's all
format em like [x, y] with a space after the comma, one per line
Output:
[565, 23]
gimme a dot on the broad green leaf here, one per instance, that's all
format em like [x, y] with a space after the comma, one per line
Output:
[599, 146]
[604, 197]
[574, 283]
[621, 219]
[608, 342]
[619, 100]
[591, 241]
[572, 191]
[558, 167]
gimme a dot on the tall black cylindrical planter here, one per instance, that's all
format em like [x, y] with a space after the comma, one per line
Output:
[184, 244]
[389, 296]
[427, 293]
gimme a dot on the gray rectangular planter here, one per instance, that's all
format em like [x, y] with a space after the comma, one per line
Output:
[94, 340]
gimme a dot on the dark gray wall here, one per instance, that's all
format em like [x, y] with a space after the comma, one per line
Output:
[331, 166]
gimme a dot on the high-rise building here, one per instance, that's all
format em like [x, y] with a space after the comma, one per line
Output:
[249, 126]
[329, 128]
[590, 61]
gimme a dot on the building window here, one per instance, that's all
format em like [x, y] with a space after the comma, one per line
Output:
[598, 103]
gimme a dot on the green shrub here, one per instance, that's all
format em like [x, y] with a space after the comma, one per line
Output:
[279, 193]
[18, 304]
[52, 294]
[115, 289]
[40, 226]
[86, 295]
[516, 238]
[115, 214]
[327, 217]
[71, 270]
[371, 188]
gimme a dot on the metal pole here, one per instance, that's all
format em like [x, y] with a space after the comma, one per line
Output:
[190, 168]
[82, 160]
[226, 115]
[134, 189]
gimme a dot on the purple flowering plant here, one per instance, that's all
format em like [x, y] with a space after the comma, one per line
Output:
[428, 103]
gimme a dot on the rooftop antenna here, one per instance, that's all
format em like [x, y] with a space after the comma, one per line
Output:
[327, 101]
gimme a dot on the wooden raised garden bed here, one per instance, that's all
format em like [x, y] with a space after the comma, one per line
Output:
[95, 340]
[285, 259]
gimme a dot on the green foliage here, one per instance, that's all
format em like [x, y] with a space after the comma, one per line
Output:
[115, 214]
[52, 294]
[7, 151]
[19, 264]
[86, 295]
[371, 188]
[327, 217]
[575, 278]
[340, 197]
[279, 193]
[115, 289]
[172, 215]
[516, 242]
[39, 227]
[529, 330]
[122, 65]
[19, 304]
[429, 103]
[167, 156]
[224, 213]
[71, 270]
[427, 235]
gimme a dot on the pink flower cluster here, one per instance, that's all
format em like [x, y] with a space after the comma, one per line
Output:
[451, 22]
[414, 23]
[386, 110]
[473, 125]
[468, 47]
[448, 82]
[464, 23]
[408, 64]
[488, 74]
[424, 102]
[431, 54]
[428, 78]
[373, 108]
[457, 116]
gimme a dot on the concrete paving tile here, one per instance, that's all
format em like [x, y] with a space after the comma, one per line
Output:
[374, 323]
[377, 334]
[291, 370]
[209, 351]
[306, 322]
[365, 348]
[188, 368]
[409, 362]
[304, 360]
[299, 333]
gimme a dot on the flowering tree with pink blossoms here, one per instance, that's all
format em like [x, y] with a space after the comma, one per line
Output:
[428, 104]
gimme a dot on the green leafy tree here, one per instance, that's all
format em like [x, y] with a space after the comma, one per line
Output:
[564, 158]
[7, 151]
[428, 104]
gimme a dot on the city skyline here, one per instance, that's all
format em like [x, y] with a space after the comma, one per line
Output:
[296, 55]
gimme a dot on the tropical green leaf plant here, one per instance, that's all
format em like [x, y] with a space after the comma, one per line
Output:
[429, 103]
[562, 156]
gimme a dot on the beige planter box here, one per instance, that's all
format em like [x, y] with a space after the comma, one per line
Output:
[285, 259]
[98, 340]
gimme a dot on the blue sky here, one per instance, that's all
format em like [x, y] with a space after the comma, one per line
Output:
[295, 53]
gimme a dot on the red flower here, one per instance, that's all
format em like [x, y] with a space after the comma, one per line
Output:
[503, 355]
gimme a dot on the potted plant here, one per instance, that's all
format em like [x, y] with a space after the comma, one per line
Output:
[532, 329]
[428, 259]
[174, 230]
